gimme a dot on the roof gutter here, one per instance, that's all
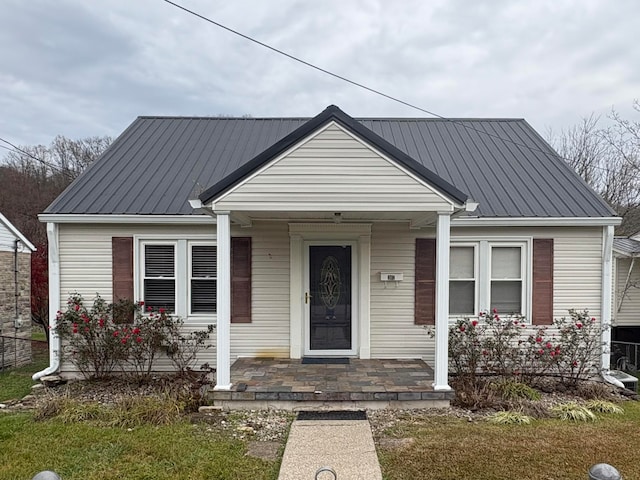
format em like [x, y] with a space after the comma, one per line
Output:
[110, 219]
[54, 302]
[535, 221]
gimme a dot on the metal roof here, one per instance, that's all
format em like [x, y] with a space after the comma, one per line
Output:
[627, 246]
[158, 163]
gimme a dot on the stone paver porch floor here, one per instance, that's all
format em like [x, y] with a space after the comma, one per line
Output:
[283, 379]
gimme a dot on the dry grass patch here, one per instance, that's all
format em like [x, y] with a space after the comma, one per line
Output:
[451, 448]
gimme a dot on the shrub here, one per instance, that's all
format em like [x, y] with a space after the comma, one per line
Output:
[601, 406]
[573, 412]
[513, 390]
[508, 417]
[99, 339]
[88, 336]
[504, 346]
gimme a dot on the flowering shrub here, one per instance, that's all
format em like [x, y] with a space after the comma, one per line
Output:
[88, 337]
[124, 335]
[505, 346]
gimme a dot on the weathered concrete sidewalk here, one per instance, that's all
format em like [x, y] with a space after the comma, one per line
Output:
[344, 445]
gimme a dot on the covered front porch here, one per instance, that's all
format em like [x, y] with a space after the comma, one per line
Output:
[283, 383]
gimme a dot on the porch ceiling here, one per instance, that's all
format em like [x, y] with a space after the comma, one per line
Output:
[413, 218]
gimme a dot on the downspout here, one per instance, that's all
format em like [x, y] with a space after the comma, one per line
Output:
[54, 302]
[605, 303]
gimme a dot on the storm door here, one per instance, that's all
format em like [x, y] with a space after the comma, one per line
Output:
[329, 298]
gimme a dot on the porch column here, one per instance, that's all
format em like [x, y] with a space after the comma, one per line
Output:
[605, 303]
[223, 298]
[443, 235]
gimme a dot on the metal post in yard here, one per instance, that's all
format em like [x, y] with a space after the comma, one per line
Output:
[604, 471]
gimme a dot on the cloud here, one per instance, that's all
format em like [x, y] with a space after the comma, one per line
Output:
[89, 68]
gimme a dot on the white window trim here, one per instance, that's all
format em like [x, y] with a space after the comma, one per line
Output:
[190, 245]
[143, 275]
[523, 273]
[475, 279]
[181, 271]
[483, 269]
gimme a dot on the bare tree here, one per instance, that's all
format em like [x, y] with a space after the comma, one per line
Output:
[608, 159]
[31, 177]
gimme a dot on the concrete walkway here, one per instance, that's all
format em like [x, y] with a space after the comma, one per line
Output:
[344, 445]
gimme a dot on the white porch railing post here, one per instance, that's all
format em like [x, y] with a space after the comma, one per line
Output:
[223, 300]
[607, 288]
[443, 235]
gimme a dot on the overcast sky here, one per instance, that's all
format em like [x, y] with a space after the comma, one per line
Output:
[84, 68]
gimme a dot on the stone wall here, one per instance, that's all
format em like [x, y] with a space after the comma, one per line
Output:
[15, 344]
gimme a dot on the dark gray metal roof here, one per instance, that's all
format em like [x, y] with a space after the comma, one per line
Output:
[158, 163]
[627, 246]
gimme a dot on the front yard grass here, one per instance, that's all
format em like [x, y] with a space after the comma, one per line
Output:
[15, 383]
[82, 451]
[452, 448]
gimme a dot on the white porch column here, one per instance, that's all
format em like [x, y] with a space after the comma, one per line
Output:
[223, 296]
[607, 292]
[443, 235]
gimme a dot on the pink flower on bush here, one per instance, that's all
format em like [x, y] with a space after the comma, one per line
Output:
[75, 328]
[540, 352]
[552, 353]
[462, 329]
[86, 329]
[77, 307]
[101, 322]
[495, 310]
[136, 331]
[124, 340]
[549, 346]
[161, 310]
[116, 333]
[139, 339]
[141, 303]
[579, 325]
[538, 339]
[474, 323]
[575, 364]
[593, 319]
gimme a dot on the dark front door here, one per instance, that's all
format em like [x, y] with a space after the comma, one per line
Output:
[330, 302]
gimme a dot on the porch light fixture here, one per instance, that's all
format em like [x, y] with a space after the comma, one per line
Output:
[337, 217]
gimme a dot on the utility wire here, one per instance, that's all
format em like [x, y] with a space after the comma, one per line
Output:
[360, 85]
[17, 149]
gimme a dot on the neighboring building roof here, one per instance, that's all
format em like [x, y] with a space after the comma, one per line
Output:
[16, 233]
[627, 246]
[158, 163]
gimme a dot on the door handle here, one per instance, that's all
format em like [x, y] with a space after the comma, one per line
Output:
[306, 297]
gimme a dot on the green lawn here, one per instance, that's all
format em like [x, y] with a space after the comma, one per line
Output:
[38, 334]
[450, 448]
[16, 382]
[82, 451]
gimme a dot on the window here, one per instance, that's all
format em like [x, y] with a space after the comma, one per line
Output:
[462, 281]
[159, 281]
[203, 279]
[506, 279]
[488, 274]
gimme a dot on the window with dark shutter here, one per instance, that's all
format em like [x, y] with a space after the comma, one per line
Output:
[542, 308]
[203, 278]
[122, 268]
[241, 280]
[159, 276]
[425, 281]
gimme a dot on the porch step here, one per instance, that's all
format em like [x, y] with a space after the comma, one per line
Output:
[234, 400]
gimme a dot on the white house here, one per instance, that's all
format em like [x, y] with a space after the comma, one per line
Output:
[333, 236]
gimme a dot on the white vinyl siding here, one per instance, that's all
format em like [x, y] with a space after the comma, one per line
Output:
[629, 313]
[333, 171]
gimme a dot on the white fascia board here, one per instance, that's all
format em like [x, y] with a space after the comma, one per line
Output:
[148, 219]
[535, 222]
[17, 233]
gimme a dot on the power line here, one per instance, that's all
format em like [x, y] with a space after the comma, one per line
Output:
[17, 149]
[360, 85]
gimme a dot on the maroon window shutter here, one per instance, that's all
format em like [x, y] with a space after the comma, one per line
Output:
[122, 277]
[425, 294]
[542, 281]
[241, 280]
[122, 268]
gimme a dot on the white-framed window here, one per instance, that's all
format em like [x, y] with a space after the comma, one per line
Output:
[506, 288]
[488, 274]
[159, 275]
[202, 278]
[462, 280]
